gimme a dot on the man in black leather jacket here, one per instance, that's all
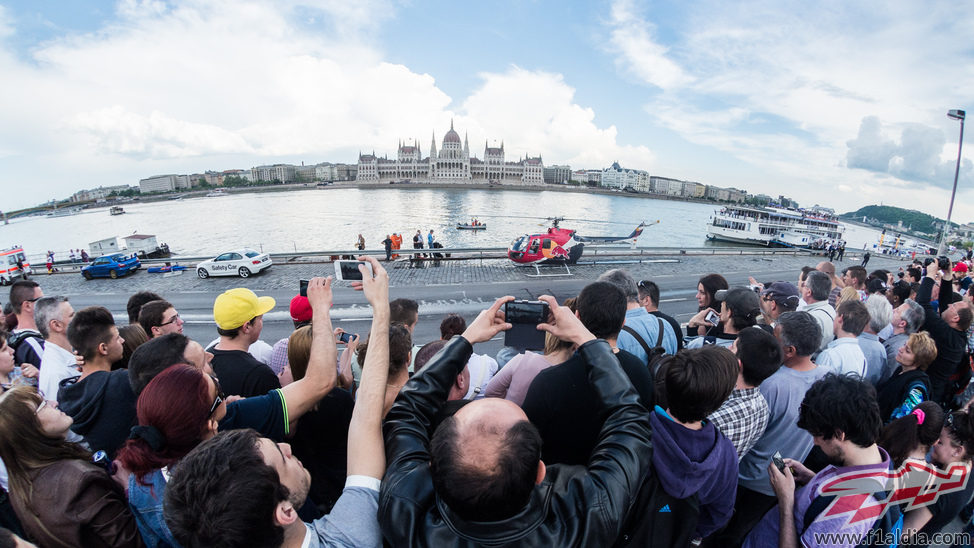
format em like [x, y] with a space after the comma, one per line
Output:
[948, 329]
[483, 482]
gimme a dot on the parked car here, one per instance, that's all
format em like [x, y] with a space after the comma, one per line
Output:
[111, 266]
[241, 262]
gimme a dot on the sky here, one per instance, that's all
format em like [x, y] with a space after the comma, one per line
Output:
[841, 104]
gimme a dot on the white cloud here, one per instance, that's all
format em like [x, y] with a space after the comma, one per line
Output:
[191, 85]
[919, 154]
[632, 37]
[117, 130]
[535, 113]
[784, 86]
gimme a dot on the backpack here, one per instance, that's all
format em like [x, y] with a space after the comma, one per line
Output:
[890, 525]
[21, 344]
[657, 518]
[655, 354]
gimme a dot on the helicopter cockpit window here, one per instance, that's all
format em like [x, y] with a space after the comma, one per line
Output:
[548, 244]
[520, 244]
[535, 245]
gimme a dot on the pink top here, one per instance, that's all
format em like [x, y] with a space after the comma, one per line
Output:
[514, 379]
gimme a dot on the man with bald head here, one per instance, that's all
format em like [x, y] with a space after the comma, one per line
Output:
[480, 479]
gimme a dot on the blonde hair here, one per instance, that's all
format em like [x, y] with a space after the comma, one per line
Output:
[299, 351]
[848, 293]
[923, 348]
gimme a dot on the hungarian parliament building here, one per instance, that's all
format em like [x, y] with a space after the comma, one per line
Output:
[452, 163]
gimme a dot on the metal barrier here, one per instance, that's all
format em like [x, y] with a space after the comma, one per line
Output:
[482, 253]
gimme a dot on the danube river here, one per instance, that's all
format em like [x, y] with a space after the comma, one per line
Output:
[332, 218]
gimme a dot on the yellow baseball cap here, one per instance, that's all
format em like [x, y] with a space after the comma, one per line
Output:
[238, 306]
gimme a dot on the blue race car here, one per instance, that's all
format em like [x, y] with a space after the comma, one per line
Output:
[111, 266]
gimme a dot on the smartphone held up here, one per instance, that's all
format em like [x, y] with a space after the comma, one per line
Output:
[524, 317]
[348, 270]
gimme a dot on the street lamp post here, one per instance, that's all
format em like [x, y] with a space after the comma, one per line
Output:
[956, 115]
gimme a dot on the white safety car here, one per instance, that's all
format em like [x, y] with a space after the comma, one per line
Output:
[240, 262]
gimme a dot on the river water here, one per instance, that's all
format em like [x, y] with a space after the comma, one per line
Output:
[332, 218]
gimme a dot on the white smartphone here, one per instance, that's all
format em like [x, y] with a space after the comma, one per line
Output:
[348, 270]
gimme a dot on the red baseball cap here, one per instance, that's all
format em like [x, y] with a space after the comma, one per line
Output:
[300, 309]
[960, 267]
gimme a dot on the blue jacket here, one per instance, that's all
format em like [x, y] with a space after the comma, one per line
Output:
[146, 504]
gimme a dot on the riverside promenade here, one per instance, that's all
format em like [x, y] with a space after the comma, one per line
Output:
[463, 287]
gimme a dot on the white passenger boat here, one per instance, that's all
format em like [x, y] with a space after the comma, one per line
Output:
[773, 226]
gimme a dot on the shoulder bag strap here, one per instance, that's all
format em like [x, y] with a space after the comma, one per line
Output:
[639, 339]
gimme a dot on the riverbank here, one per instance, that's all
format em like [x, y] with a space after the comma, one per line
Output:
[571, 189]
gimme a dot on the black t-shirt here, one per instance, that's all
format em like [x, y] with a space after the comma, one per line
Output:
[563, 406]
[675, 324]
[947, 507]
[266, 414]
[241, 374]
[321, 443]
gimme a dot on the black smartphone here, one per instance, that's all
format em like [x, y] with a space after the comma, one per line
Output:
[345, 337]
[303, 288]
[778, 461]
[524, 316]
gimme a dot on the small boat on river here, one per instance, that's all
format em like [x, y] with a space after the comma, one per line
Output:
[474, 224]
[116, 210]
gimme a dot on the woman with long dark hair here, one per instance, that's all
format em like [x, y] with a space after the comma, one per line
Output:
[707, 287]
[62, 499]
[180, 408]
[911, 436]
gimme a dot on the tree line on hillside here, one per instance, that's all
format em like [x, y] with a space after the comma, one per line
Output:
[917, 220]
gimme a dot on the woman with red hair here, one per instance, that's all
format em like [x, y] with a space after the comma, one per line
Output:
[180, 408]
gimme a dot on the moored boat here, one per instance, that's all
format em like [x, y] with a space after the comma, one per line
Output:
[464, 226]
[116, 210]
[774, 226]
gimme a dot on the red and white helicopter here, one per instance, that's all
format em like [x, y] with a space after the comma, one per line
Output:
[560, 245]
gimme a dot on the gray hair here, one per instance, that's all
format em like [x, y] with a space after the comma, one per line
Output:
[880, 312]
[914, 316]
[624, 281]
[819, 284]
[45, 310]
[801, 330]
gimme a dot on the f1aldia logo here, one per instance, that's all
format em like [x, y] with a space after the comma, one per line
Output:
[914, 484]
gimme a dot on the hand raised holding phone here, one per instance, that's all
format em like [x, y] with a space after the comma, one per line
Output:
[488, 323]
[374, 282]
[319, 293]
[564, 324]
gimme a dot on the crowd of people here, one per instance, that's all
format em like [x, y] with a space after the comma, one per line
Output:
[627, 429]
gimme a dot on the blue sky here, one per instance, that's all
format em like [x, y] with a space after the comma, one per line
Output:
[835, 103]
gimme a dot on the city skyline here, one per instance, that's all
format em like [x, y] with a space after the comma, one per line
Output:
[838, 104]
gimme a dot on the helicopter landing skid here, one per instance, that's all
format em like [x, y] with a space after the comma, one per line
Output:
[539, 274]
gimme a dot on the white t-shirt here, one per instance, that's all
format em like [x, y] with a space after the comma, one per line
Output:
[482, 369]
[57, 364]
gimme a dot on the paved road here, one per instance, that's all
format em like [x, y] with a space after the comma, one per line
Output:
[461, 287]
